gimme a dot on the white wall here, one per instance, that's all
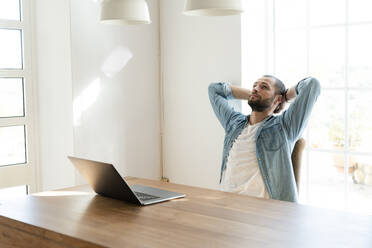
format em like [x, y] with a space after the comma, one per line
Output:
[52, 74]
[116, 107]
[195, 52]
[116, 91]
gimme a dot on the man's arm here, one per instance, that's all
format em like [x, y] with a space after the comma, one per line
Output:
[240, 93]
[219, 94]
[305, 94]
[291, 94]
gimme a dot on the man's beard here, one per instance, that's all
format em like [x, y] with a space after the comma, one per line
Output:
[260, 105]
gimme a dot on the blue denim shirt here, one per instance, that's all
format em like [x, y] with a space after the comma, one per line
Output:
[275, 138]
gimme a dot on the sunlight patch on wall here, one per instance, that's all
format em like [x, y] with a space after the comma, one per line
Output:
[116, 61]
[85, 100]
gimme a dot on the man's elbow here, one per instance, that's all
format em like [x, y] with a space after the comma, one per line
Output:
[314, 85]
[212, 88]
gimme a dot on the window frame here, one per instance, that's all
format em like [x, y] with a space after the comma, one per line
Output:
[268, 51]
[25, 173]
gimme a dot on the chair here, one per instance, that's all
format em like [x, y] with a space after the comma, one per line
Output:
[296, 160]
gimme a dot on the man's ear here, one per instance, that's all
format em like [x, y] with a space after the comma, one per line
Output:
[278, 108]
[279, 99]
[278, 102]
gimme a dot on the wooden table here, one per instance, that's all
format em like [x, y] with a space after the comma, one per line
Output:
[76, 217]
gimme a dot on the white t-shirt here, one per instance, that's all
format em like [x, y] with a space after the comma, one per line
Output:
[242, 174]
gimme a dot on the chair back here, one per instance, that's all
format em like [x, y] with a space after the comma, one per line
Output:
[297, 159]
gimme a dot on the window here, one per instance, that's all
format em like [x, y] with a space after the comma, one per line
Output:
[17, 135]
[329, 40]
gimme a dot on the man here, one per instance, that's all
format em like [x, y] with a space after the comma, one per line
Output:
[256, 157]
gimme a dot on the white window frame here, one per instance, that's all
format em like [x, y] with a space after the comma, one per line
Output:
[268, 50]
[26, 173]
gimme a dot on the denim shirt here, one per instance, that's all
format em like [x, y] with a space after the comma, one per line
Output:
[275, 138]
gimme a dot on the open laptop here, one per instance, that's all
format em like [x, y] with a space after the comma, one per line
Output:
[105, 180]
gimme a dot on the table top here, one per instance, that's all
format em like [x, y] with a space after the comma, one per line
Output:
[205, 218]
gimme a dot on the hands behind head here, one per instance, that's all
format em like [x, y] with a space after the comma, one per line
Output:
[282, 104]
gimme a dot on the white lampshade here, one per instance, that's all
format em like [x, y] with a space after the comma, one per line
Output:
[213, 7]
[125, 12]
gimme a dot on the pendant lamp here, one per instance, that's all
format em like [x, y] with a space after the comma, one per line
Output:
[213, 7]
[125, 12]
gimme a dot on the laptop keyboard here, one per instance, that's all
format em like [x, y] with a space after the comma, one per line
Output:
[145, 197]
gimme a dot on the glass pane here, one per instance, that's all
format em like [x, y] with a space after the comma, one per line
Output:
[360, 185]
[11, 97]
[360, 119]
[10, 49]
[290, 14]
[327, 180]
[327, 122]
[360, 53]
[10, 10]
[14, 191]
[360, 10]
[326, 12]
[327, 56]
[291, 56]
[12, 145]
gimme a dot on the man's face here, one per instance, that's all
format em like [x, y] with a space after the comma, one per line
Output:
[263, 94]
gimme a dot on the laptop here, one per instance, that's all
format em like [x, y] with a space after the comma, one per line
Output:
[105, 180]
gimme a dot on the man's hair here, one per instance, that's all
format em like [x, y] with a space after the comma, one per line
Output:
[279, 90]
[279, 86]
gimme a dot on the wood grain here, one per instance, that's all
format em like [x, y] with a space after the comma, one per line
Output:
[205, 218]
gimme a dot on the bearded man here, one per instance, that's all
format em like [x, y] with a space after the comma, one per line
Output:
[256, 158]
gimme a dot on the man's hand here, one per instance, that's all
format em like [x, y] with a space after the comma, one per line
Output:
[288, 95]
